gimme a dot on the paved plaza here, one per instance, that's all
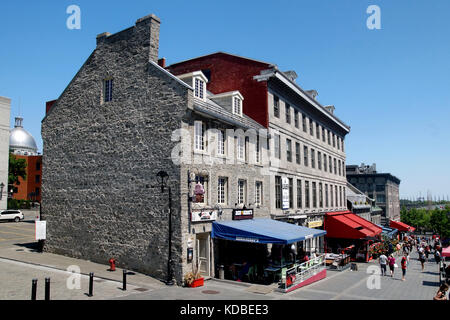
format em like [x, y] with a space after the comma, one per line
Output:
[20, 263]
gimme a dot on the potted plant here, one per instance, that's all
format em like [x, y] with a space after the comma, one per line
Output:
[193, 279]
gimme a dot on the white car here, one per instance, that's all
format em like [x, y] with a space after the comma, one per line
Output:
[11, 215]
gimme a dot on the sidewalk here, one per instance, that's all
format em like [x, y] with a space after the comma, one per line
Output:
[59, 262]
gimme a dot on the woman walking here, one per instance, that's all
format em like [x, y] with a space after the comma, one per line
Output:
[391, 262]
[422, 258]
[404, 264]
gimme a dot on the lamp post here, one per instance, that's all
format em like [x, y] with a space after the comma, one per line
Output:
[163, 176]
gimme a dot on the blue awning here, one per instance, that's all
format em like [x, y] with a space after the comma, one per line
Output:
[263, 231]
[387, 231]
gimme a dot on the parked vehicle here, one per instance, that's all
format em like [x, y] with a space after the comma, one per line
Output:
[11, 215]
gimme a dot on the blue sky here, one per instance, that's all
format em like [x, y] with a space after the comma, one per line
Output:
[390, 85]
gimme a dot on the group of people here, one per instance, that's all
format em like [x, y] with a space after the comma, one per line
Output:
[425, 247]
[390, 260]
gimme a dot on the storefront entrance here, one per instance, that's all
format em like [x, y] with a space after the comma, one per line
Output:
[204, 253]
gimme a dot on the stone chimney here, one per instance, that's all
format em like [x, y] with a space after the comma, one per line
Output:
[143, 38]
[150, 24]
[330, 109]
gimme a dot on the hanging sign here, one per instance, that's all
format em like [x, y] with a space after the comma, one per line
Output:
[199, 191]
[285, 192]
[204, 215]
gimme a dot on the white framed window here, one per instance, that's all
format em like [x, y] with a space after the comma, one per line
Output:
[199, 138]
[237, 106]
[277, 146]
[258, 150]
[222, 185]
[199, 88]
[221, 142]
[242, 191]
[241, 147]
[258, 193]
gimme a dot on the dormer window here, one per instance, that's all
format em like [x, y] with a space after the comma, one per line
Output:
[232, 101]
[199, 88]
[237, 106]
[197, 81]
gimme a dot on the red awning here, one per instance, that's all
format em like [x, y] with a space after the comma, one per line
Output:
[348, 225]
[401, 226]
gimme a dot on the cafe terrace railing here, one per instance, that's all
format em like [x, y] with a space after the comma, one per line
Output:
[295, 276]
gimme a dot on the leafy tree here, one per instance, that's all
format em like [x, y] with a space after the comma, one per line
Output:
[17, 168]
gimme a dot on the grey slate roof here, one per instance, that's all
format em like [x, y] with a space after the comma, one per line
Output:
[215, 110]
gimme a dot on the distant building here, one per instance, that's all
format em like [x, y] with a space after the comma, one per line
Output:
[23, 146]
[5, 107]
[360, 204]
[383, 187]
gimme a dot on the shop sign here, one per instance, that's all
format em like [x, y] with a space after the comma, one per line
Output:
[204, 215]
[242, 214]
[315, 224]
[247, 239]
[285, 192]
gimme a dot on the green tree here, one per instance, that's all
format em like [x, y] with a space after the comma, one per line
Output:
[17, 168]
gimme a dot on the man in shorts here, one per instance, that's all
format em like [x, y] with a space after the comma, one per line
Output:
[383, 261]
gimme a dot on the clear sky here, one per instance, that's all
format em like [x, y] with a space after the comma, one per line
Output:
[391, 86]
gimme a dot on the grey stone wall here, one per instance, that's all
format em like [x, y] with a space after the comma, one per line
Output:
[100, 159]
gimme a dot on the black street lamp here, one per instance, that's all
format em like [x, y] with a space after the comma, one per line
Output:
[163, 176]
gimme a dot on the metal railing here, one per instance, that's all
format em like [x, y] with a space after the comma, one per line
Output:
[302, 272]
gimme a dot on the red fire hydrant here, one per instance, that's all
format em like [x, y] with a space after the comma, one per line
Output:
[112, 264]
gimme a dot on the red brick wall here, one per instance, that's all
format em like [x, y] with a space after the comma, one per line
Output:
[229, 73]
[30, 184]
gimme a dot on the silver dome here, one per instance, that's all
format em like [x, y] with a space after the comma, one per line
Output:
[20, 141]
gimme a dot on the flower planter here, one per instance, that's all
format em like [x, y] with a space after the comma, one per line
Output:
[197, 283]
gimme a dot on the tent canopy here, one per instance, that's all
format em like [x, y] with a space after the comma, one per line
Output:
[401, 226]
[263, 231]
[446, 252]
[390, 232]
[347, 225]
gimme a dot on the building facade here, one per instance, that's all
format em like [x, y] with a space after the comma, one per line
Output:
[383, 187]
[5, 109]
[23, 146]
[306, 139]
[121, 121]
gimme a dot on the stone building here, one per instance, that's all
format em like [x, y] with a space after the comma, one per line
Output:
[306, 138]
[121, 120]
[383, 187]
[5, 108]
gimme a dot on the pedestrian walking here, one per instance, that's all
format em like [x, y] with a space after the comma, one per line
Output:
[437, 256]
[404, 263]
[422, 258]
[383, 262]
[427, 252]
[391, 262]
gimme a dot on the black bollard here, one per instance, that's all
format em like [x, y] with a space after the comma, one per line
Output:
[124, 280]
[91, 284]
[33, 289]
[47, 288]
